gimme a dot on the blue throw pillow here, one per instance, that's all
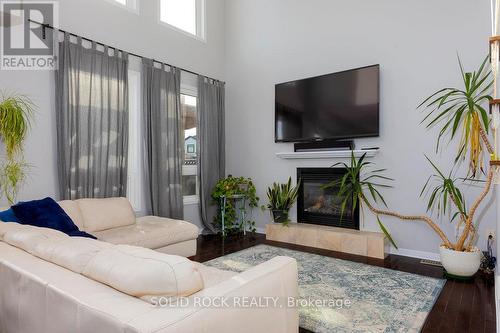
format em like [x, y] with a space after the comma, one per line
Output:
[8, 216]
[46, 213]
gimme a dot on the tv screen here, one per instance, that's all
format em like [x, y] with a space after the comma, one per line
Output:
[341, 105]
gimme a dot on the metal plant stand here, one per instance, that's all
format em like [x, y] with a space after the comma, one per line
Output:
[241, 213]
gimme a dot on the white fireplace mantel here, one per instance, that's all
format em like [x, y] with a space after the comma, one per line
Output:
[327, 154]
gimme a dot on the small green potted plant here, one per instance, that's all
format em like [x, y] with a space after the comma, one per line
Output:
[239, 193]
[281, 198]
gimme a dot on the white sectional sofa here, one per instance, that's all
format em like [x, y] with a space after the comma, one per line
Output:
[113, 220]
[51, 282]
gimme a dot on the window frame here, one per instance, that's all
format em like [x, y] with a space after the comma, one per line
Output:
[191, 170]
[201, 21]
[131, 5]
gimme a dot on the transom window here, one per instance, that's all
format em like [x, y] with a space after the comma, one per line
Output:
[129, 4]
[184, 15]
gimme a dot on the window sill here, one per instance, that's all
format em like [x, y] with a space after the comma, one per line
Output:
[191, 200]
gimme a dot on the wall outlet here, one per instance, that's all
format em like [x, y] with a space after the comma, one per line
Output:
[491, 232]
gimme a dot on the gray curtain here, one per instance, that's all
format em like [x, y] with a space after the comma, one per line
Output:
[211, 141]
[92, 121]
[163, 145]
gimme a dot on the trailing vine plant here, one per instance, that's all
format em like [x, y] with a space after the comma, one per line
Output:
[16, 113]
[457, 111]
[232, 188]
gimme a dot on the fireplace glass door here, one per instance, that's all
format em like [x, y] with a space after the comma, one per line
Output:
[319, 205]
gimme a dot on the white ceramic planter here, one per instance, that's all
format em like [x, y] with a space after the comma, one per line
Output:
[460, 264]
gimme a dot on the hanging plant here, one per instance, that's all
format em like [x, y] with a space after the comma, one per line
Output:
[235, 190]
[16, 113]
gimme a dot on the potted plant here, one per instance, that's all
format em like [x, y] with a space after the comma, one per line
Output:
[456, 111]
[230, 192]
[16, 112]
[281, 198]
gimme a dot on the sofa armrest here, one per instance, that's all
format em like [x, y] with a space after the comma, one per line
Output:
[276, 278]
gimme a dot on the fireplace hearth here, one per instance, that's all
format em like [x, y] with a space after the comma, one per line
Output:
[316, 205]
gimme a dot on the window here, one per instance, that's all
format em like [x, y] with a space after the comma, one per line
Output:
[127, 4]
[135, 181]
[135, 189]
[185, 15]
[190, 168]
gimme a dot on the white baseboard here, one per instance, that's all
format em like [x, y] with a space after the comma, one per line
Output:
[416, 254]
[497, 300]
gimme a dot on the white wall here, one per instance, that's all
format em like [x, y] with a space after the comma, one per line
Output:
[267, 42]
[415, 43]
[138, 33]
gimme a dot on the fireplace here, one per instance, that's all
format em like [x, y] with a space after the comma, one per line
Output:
[316, 205]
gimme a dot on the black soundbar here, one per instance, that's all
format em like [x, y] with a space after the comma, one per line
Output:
[324, 145]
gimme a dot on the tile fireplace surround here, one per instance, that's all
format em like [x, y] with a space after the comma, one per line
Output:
[363, 243]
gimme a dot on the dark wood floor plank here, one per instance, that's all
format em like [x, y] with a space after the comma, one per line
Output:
[438, 312]
[478, 311]
[464, 309]
[461, 307]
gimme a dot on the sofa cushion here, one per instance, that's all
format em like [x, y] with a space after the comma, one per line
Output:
[51, 245]
[151, 232]
[103, 214]
[144, 273]
[132, 270]
[29, 238]
[73, 210]
[71, 253]
[6, 227]
[56, 247]
[184, 249]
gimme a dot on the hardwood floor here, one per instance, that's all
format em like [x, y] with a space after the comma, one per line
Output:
[461, 307]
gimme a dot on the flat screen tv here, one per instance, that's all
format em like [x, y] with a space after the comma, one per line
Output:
[341, 105]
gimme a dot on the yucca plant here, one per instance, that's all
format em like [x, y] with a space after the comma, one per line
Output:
[16, 113]
[281, 198]
[358, 184]
[452, 109]
[461, 111]
[445, 195]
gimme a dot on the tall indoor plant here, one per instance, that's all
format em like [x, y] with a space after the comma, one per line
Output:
[281, 198]
[457, 112]
[16, 113]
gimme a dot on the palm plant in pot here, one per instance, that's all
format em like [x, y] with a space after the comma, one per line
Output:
[281, 198]
[457, 112]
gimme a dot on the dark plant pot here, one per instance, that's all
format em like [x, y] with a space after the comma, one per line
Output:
[280, 216]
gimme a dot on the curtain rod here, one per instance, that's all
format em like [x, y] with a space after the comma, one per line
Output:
[48, 26]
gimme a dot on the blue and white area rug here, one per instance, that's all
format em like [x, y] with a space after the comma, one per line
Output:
[379, 299]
